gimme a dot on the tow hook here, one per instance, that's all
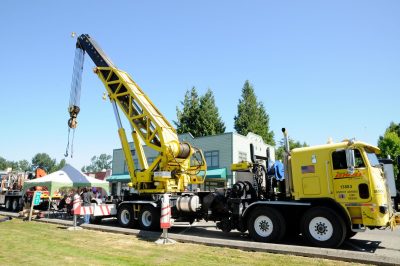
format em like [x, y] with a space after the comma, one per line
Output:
[383, 209]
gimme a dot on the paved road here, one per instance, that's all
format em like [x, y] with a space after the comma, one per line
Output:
[380, 242]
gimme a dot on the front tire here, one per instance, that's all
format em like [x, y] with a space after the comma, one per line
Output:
[125, 216]
[149, 218]
[266, 225]
[323, 227]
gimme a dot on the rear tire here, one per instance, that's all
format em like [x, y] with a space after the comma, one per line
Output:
[15, 205]
[125, 216]
[8, 204]
[323, 227]
[266, 225]
[149, 218]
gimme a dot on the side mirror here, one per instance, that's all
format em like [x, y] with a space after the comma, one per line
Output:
[351, 160]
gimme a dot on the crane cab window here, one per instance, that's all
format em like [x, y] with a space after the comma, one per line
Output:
[339, 159]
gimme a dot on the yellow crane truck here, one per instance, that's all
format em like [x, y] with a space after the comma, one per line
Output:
[328, 193]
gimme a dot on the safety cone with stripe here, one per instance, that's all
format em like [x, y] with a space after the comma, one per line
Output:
[76, 211]
[165, 221]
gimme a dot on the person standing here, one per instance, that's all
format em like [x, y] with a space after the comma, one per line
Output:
[87, 199]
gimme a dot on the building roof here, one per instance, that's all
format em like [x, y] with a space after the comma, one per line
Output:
[214, 173]
[119, 178]
[188, 136]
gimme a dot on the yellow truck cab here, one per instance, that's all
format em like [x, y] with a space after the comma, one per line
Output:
[349, 173]
[328, 193]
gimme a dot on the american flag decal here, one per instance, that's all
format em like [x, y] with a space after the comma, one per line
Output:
[308, 169]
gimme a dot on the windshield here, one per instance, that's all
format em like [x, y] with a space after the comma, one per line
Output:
[372, 158]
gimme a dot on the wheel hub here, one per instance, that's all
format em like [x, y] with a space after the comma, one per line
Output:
[125, 216]
[321, 228]
[146, 218]
[264, 226]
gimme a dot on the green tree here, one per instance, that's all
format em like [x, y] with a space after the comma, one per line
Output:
[98, 164]
[24, 166]
[199, 115]
[389, 144]
[13, 165]
[43, 161]
[3, 163]
[251, 116]
[393, 127]
[210, 121]
[188, 118]
[292, 145]
[58, 166]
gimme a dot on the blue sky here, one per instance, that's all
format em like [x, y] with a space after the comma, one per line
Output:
[322, 68]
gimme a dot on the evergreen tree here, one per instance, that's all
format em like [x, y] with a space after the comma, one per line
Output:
[199, 115]
[188, 118]
[210, 121]
[252, 116]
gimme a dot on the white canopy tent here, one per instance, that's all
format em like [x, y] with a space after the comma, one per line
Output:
[68, 176]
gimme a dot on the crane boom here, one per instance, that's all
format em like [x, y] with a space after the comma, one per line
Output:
[177, 164]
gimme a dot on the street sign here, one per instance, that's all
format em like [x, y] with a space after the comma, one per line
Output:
[35, 201]
[36, 198]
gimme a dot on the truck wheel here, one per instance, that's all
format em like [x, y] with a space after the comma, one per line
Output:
[266, 225]
[323, 227]
[149, 218]
[8, 204]
[125, 216]
[15, 205]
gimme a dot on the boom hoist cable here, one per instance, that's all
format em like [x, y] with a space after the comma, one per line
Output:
[74, 98]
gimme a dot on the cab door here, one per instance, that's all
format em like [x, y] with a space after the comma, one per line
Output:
[350, 187]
